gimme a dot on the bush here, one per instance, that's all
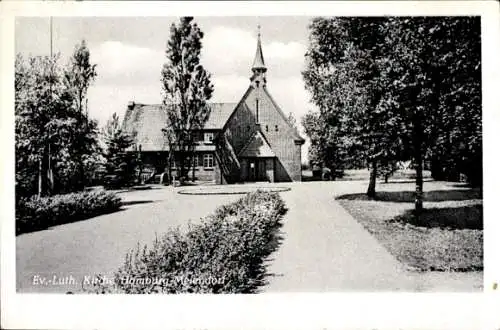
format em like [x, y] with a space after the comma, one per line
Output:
[226, 253]
[40, 213]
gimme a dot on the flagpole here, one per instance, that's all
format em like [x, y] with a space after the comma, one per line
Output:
[50, 175]
[50, 36]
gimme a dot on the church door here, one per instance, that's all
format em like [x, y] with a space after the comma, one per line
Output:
[261, 169]
[252, 170]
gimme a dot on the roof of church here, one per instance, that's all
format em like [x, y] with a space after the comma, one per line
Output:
[148, 120]
[219, 115]
[258, 62]
[257, 146]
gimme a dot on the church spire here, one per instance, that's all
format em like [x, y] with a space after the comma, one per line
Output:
[258, 68]
[258, 62]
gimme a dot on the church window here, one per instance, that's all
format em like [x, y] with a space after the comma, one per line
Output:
[208, 161]
[257, 111]
[267, 128]
[276, 128]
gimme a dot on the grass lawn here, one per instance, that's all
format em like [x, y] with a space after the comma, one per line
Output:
[449, 236]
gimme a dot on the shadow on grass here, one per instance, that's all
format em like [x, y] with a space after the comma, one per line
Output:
[464, 217]
[127, 203]
[22, 229]
[409, 196]
[464, 185]
[398, 181]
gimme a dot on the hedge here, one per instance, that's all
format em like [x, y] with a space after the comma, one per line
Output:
[35, 213]
[225, 253]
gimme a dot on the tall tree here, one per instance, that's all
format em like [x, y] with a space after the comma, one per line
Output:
[345, 74]
[55, 140]
[323, 149]
[118, 158]
[44, 123]
[400, 88]
[411, 87]
[186, 88]
[456, 131]
[79, 75]
[436, 86]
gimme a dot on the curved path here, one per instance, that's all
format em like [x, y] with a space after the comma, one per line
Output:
[325, 248]
[98, 245]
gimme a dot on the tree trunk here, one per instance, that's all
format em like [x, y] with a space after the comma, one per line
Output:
[190, 165]
[419, 186]
[386, 178]
[171, 160]
[40, 178]
[182, 163]
[417, 149]
[436, 169]
[81, 184]
[42, 174]
[194, 167]
[168, 172]
[373, 180]
[139, 179]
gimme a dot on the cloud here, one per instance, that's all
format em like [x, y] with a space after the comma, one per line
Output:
[229, 88]
[104, 100]
[292, 51]
[229, 51]
[121, 63]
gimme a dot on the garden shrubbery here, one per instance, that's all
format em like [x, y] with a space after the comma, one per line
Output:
[39, 213]
[226, 253]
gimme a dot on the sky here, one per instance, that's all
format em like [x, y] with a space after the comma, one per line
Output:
[129, 53]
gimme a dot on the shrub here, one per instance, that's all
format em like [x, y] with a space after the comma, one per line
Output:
[226, 253]
[39, 213]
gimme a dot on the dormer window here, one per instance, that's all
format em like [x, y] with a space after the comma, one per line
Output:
[209, 137]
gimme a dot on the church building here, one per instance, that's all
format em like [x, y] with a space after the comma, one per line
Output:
[247, 141]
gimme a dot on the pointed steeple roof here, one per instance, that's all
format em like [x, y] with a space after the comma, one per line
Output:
[258, 62]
